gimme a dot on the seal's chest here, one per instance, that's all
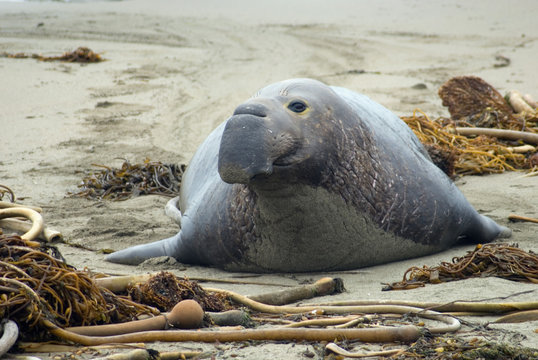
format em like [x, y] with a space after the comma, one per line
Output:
[308, 227]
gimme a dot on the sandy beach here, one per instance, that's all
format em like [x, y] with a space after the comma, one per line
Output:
[174, 70]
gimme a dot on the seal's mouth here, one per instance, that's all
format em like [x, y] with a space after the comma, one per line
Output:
[289, 159]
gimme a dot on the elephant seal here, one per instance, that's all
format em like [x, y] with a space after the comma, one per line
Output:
[307, 177]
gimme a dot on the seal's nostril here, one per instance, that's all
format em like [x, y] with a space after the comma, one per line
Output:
[251, 109]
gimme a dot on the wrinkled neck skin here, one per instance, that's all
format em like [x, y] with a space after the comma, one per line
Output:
[289, 218]
[278, 203]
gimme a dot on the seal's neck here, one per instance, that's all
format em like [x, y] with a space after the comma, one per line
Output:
[298, 225]
[291, 213]
[284, 203]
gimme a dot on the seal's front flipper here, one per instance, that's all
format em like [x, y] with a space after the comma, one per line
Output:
[139, 253]
[505, 232]
[491, 230]
[484, 230]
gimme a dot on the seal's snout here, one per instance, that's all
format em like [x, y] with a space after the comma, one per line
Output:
[259, 138]
[252, 109]
[243, 153]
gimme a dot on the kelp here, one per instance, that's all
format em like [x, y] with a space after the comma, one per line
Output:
[475, 104]
[5, 191]
[452, 347]
[461, 155]
[472, 99]
[499, 260]
[80, 55]
[386, 326]
[36, 284]
[164, 290]
[440, 348]
[131, 180]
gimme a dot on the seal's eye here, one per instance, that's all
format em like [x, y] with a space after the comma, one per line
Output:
[297, 106]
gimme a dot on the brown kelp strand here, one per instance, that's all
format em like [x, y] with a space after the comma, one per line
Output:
[131, 180]
[5, 191]
[461, 155]
[472, 101]
[500, 260]
[36, 283]
[80, 55]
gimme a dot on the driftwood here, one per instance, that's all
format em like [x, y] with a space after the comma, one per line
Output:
[499, 133]
[514, 217]
[519, 103]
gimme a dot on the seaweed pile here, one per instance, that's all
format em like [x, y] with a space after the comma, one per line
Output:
[131, 180]
[441, 348]
[37, 284]
[462, 155]
[485, 133]
[45, 297]
[80, 55]
[500, 260]
[451, 347]
[164, 290]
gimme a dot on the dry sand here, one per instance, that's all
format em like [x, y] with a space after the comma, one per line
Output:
[176, 69]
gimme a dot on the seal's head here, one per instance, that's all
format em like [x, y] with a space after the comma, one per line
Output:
[280, 134]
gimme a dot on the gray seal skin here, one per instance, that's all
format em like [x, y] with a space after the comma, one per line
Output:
[306, 177]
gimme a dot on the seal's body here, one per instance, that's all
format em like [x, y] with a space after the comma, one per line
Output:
[307, 177]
